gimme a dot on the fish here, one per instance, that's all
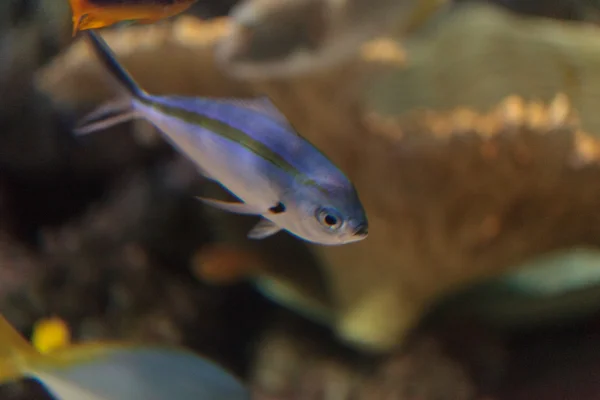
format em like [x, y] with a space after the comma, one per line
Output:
[115, 371]
[250, 149]
[222, 263]
[92, 14]
[278, 39]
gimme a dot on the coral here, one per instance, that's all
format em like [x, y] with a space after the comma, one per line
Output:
[276, 39]
[289, 366]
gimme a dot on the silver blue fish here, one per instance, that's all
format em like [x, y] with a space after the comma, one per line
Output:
[116, 371]
[250, 149]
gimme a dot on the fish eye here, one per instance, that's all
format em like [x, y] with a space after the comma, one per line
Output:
[329, 218]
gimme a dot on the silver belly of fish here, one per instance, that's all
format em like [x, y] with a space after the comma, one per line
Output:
[238, 169]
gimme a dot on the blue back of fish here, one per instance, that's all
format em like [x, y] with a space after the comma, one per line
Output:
[278, 137]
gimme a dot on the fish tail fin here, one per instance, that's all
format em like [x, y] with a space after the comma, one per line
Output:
[109, 60]
[114, 112]
[15, 353]
[106, 116]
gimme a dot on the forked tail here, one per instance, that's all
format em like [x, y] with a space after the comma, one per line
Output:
[114, 112]
[105, 116]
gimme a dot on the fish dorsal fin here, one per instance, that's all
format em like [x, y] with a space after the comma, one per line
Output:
[263, 105]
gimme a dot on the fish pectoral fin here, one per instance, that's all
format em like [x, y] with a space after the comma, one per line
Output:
[237, 208]
[264, 228]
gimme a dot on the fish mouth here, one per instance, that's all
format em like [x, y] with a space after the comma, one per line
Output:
[361, 230]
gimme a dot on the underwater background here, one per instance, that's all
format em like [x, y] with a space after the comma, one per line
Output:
[473, 141]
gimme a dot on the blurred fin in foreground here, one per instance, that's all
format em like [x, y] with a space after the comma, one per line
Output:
[91, 14]
[276, 38]
[50, 334]
[105, 371]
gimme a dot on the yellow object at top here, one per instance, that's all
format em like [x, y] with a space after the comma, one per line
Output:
[50, 334]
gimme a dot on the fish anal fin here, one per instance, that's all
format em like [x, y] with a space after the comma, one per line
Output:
[236, 208]
[263, 229]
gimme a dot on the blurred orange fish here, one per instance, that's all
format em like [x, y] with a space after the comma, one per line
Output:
[225, 264]
[92, 14]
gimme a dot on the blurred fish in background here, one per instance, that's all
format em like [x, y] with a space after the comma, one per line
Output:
[110, 371]
[91, 14]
